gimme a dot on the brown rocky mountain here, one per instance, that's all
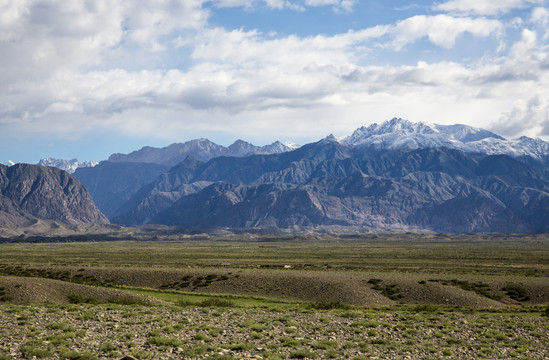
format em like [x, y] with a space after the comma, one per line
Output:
[30, 192]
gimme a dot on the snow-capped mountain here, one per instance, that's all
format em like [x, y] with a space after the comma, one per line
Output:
[200, 149]
[243, 148]
[69, 166]
[404, 134]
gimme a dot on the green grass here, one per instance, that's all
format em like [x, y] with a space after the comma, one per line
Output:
[208, 300]
[451, 254]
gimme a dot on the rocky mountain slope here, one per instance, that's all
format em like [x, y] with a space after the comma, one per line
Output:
[329, 183]
[30, 192]
[115, 181]
[111, 183]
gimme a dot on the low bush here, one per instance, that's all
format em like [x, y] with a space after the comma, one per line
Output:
[516, 292]
[127, 300]
[214, 302]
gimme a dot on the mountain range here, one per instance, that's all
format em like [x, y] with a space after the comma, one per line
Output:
[113, 182]
[201, 149]
[400, 134]
[327, 183]
[394, 175]
[397, 175]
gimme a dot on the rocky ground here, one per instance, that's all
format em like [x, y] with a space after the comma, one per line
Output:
[86, 331]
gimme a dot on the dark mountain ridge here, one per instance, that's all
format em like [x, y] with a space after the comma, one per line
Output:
[328, 183]
[30, 192]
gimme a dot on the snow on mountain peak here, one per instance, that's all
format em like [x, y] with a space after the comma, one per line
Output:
[399, 133]
[396, 126]
[69, 166]
[291, 145]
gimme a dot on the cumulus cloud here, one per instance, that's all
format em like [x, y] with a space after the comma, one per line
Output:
[484, 7]
[59, 75]
[442, 30]
[338, 5]
[528, 117]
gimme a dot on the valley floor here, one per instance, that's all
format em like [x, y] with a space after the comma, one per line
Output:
[258, 296]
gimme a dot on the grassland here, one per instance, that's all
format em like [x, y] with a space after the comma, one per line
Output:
[277, 297]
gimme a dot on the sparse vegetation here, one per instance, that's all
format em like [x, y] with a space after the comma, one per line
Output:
[516, 292]
[391, 291]
[263, 317]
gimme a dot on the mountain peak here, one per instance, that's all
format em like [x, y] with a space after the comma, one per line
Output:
[331, 138]
[69, 166]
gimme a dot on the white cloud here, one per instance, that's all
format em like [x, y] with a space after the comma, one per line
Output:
[540, 17]
[528, 117]
[484, 7]
[56, 77]
[39, 38]
[338, 5]
[442, 30]
[252, 4]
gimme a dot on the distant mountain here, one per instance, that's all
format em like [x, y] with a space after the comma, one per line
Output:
[404, 134]
[30, 192]
[69, 166]
[394, 175]
[329, 183]
[111, 184]
[200, 149]
[114, 182]
[160, 193]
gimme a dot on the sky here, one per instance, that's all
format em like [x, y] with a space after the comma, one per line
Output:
[88, 78]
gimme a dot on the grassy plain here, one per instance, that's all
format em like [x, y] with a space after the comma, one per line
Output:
[409, 253]
[277, 297]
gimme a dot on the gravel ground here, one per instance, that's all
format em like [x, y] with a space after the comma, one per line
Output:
[86, 331]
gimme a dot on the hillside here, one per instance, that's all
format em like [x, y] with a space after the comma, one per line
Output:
[31, 192]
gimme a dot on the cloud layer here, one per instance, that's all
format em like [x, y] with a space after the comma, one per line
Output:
[163, 69]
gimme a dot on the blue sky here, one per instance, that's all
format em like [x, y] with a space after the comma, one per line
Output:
[88, 78]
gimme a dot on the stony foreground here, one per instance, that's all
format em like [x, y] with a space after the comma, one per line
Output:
[85, 331]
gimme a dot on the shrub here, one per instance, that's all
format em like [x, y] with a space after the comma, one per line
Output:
[302, 354]
[214, 302]
[80, 299]
[516, 292]
[30, 351]
[164, 341]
